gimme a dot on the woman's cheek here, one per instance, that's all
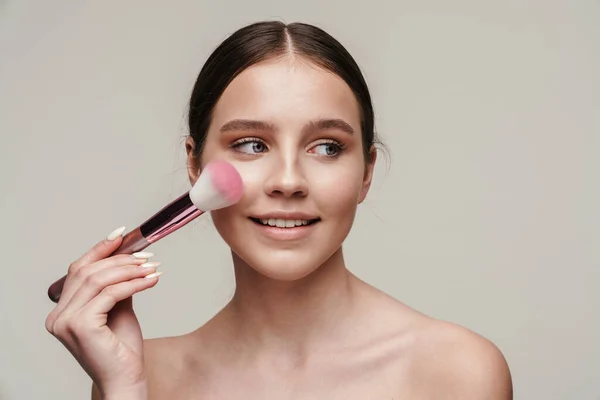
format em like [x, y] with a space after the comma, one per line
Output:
[337, 191]
[253, 177]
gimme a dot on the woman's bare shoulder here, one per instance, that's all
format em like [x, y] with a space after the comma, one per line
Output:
[447, 357]
[163, 346]
[462, 361]
[455, 361]
[167, 364]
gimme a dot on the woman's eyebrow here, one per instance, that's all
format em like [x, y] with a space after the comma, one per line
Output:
[255, 125]
[329, 123]
[247, 125]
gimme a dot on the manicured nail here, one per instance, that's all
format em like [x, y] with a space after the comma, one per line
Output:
[150, 264]
[143, 254]
[153, 275]
[115, 234]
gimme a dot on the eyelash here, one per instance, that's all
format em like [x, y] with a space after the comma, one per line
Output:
[235, 145]
[339, 146]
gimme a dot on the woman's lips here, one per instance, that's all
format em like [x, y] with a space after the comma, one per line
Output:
[291, 230]
[282, 222]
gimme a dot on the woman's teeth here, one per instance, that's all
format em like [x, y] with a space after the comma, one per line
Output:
[284, 223]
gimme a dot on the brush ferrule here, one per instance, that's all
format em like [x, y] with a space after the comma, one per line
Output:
[170, 218]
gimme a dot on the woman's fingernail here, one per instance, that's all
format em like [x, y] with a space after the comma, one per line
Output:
[143, 254]
[153, 275]
[115, 234]
[150, 264]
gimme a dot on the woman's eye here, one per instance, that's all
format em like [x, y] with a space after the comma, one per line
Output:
[251, 146]
[328, 149]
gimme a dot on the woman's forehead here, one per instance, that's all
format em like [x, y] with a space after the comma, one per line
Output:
[287, 89]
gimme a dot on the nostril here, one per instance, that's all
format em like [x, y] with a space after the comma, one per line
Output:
[286, 187]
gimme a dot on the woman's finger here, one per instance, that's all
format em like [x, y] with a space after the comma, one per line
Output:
[111, 295]
[76, 278]
[100, 250]
[99, 281]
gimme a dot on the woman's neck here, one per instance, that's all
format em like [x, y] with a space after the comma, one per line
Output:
[290, 320]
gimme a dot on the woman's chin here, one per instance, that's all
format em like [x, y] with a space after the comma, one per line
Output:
[290, 275]
[281, 266]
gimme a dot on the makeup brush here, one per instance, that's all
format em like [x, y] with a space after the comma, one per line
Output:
[218, 186]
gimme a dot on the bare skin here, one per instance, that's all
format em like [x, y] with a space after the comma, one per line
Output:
[394, 352]
[300, 325]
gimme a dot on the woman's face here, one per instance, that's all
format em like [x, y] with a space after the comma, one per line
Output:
[292, 130]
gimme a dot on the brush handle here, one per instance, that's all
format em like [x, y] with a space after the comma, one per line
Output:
[170, 218]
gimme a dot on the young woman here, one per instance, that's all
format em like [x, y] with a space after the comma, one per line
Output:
[288, 107]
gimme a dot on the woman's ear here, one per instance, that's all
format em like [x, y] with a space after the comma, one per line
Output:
[193, 162]
[368, 175]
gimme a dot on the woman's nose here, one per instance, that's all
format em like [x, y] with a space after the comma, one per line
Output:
[286, 179]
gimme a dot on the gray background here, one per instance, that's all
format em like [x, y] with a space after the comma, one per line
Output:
[485, 213]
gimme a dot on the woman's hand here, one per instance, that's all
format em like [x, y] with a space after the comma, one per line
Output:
[94, 318]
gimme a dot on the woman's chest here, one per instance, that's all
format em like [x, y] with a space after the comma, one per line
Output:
[335, 379]
[382, 369]
[261, 388]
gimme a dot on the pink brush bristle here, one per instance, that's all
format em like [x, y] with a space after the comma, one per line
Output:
[219, 186]
[227, 180]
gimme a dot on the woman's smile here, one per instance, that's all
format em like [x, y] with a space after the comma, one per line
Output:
[285, 225]
[294, 232]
